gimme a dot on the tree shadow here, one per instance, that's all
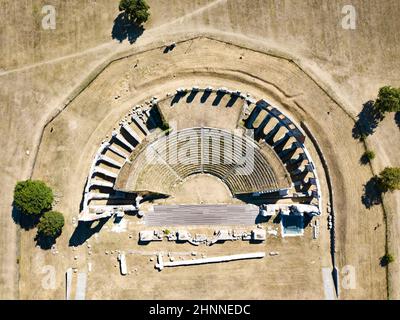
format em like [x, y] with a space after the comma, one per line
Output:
[85, 230]
[45, 242]
[397, 118]
[25, 221]
[123, 29]
[384, 261]
[372, 195]
[368, 120]
[364, 160]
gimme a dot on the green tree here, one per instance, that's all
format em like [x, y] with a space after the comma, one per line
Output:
[387, 259]
[389, 179]
[368, 156]
[51, 224]
[33, 197]
[137, 11]
[388, 100]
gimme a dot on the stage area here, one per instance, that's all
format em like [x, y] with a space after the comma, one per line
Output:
[176, 215]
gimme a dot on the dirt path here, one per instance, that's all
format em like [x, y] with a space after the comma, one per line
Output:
[115, 45]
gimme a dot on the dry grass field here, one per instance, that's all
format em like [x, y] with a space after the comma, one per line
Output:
[231, 43]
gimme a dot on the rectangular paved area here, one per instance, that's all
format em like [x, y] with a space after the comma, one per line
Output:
[329, 286]
[81, 286]
[176, 215]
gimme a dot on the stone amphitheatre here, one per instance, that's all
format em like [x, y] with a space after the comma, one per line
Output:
[222, 167]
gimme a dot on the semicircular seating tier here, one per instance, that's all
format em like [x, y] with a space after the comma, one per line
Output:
[271, 126]
[237, 160]
[281, 159]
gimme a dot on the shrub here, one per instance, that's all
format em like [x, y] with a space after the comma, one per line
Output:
[386, 259]
[137, 11]
[164, 126]
[51, 224]
[368, 156]
[33, 197]
[389, 179]
[388, 100]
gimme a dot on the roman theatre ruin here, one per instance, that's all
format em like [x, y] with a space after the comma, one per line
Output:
[139, 160]
[214, 136]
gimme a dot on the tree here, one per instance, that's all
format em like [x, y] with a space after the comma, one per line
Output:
[33, 197]
[51, 224]
[389, 179]
[368, 156]
[137, 11]
[388, 100]
[386, 259]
